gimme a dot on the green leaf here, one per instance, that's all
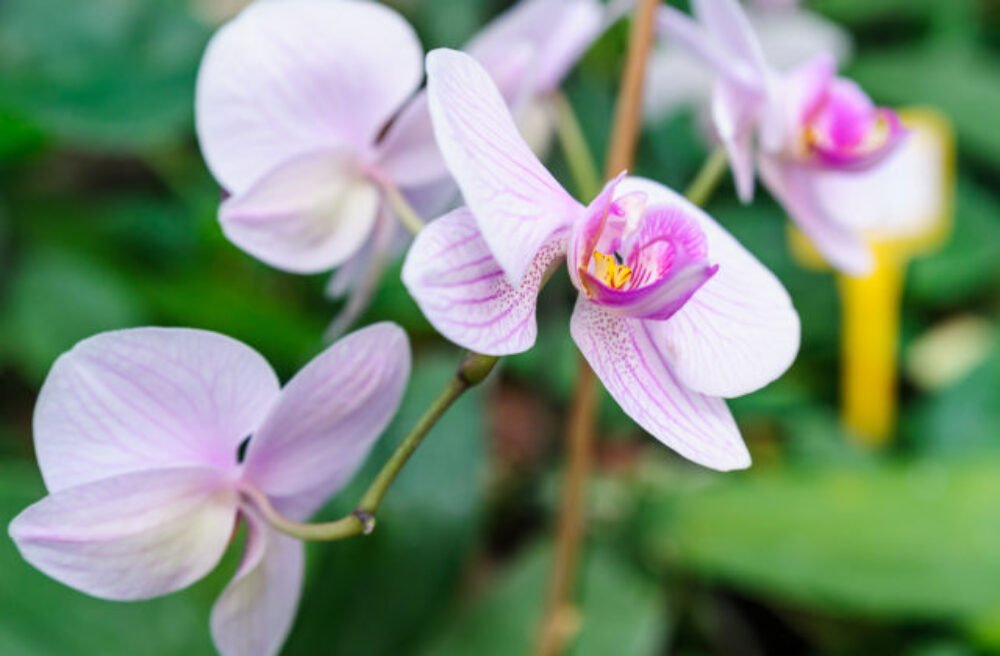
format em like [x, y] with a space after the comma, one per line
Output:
[622, 611]
[375, 595]
[111, 74]
[56, 299]
[915, 540]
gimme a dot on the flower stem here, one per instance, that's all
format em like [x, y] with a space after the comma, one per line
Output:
[559, 623]
[404, 211]
[574, 145]
[473, 370]
[708, 177]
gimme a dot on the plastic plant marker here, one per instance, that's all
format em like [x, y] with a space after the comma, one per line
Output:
[906, 206]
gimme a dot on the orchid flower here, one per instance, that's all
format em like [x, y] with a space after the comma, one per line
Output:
[673, 313]
[141, 437]
[797, 126]
[302, 118]
[788, 34]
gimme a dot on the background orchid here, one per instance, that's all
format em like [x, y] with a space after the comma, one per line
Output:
[142, 438]
[795, 127]
[662, 330]
[511, 506]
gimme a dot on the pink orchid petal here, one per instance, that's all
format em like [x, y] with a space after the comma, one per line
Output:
[147, 398]
[462, 291]
[794, 97]
[557, 32]
[256, 611]
[628, 358]
[728, 23]
[133, 536]
[287, 78]
[733, 113]
[795, 188]
[330, 414]
[358, 279]
[308, 215]
[409, 155]
[739, 331]
[516, 201]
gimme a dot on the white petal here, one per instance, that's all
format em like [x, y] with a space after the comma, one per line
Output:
[463, 292]
[134, 536]
[291, 77]
[309, 215]
[147, 398]
[739, 331]
[257, 609]
[516, 201]
[625, 355]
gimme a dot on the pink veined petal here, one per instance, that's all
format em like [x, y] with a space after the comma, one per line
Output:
[795, 188]
[256, 611]
[626, 356]
[557, 31]
[148, 398]
[516, 201]
[330, 414]
[408, 154]
[133, 536]
[287, 78]
[733, 113]
[739, 331]
[463, 292]
[308, 215]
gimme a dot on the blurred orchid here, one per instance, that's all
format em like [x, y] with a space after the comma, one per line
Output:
[672, 314]
[798, 125]
[140, 434]
[788, 34]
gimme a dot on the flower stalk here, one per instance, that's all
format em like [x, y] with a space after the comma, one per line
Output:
[361, 521]
[556, 631]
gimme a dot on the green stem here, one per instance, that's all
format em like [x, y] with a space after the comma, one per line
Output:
[404, 211]
[708, 177]
[474, 369]
[574, 146]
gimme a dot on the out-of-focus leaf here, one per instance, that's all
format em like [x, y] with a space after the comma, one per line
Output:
[968, 264]
[42, 617]
[912, 540]
[622, 611]
[56, 299]
[106, 73]
[962, 418]
[376, 595]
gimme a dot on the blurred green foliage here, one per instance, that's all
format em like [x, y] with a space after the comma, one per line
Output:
[107, 219]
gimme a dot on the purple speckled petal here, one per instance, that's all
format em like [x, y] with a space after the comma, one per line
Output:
[739, 331]
[133, 536]
[148, 398]
[515, 200]
[256, 610]
[329, 415]
[310, 214]
[794, 186]
[287, 78]
[625, 355]
[462, 291]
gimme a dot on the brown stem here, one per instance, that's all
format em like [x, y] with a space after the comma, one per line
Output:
[561, 621]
